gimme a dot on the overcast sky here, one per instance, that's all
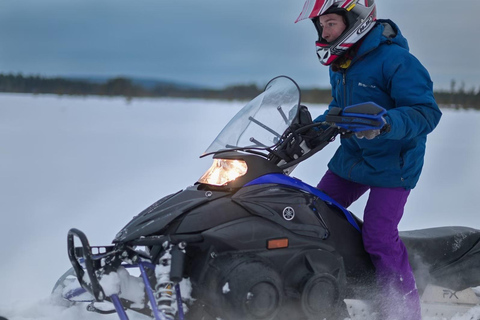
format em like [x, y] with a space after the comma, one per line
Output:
[217, 42]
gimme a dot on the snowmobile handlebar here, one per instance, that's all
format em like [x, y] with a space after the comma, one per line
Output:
[355, 118]
[359, 117]
[304, 137]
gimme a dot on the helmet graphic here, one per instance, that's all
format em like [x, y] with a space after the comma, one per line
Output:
[359, 17]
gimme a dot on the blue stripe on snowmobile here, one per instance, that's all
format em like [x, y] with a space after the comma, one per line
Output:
[76, 293]
[278, 178]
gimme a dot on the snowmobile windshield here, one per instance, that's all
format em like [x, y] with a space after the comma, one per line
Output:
[260, 124]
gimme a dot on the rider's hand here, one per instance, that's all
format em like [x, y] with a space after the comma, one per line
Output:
[370, 134]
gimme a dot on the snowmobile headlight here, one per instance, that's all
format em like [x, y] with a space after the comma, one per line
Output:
[223, 171]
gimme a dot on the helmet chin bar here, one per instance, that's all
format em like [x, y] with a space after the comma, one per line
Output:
[327, 54]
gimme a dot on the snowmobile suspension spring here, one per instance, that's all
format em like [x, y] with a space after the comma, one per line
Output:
[165, 289]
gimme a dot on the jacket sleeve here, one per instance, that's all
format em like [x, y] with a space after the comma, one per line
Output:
[416, 113]
[321, 118]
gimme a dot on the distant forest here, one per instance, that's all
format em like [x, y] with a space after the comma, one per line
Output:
[456, 97]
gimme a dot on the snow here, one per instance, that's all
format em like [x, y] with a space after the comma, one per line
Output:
[124, 285]
[186, 290]
[162, 273]
[93, 163]
[110, 284]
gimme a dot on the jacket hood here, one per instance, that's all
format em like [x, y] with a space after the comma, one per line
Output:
[384, 32]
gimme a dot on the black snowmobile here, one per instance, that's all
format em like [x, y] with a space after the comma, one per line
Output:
[247, 241]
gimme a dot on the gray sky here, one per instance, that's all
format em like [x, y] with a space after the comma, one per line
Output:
[217, 42]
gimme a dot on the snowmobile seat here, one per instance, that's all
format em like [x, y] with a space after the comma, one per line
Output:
[439, 247]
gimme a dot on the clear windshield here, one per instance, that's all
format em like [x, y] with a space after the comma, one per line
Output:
[260, 124]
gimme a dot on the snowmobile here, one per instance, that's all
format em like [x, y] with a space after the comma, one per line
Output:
[248, 241]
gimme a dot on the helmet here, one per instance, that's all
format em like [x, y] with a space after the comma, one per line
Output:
[359, 16]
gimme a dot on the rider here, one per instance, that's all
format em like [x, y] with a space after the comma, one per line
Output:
[369, 60]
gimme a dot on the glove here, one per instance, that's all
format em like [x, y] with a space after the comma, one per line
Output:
[371, 134]
[368, 134]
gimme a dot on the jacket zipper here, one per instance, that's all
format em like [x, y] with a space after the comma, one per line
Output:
[344, 74]
[344, 81]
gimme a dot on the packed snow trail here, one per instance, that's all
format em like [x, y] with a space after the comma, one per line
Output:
[52, 309]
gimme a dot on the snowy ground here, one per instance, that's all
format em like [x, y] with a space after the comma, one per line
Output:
[93, 163]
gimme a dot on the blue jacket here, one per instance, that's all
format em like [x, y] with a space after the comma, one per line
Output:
[383, 71]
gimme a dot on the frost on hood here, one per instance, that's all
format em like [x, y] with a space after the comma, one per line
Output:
[226, 288]
[457, 241]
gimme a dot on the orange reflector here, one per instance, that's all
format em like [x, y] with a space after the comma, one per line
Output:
[277, 243]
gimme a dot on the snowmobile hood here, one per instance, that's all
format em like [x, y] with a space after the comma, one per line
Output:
[160, 214]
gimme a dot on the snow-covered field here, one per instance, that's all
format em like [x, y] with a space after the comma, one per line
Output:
[92, 163]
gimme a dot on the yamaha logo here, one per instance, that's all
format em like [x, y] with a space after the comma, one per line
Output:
[365, 25]
[288, 213]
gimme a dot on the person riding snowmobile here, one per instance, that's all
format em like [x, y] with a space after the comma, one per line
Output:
[369, 61]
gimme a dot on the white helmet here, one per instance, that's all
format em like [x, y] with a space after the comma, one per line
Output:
[359, 16]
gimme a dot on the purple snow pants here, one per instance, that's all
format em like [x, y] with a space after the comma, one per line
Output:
[397, 289]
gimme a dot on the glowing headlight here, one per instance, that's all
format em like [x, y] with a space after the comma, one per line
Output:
[223, 171]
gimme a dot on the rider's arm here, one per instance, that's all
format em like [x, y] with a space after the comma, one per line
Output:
[416, 112]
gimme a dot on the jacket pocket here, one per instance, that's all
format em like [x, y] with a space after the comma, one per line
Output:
[352, 167]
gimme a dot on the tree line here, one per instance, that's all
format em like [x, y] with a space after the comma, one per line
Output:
[455, 97]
